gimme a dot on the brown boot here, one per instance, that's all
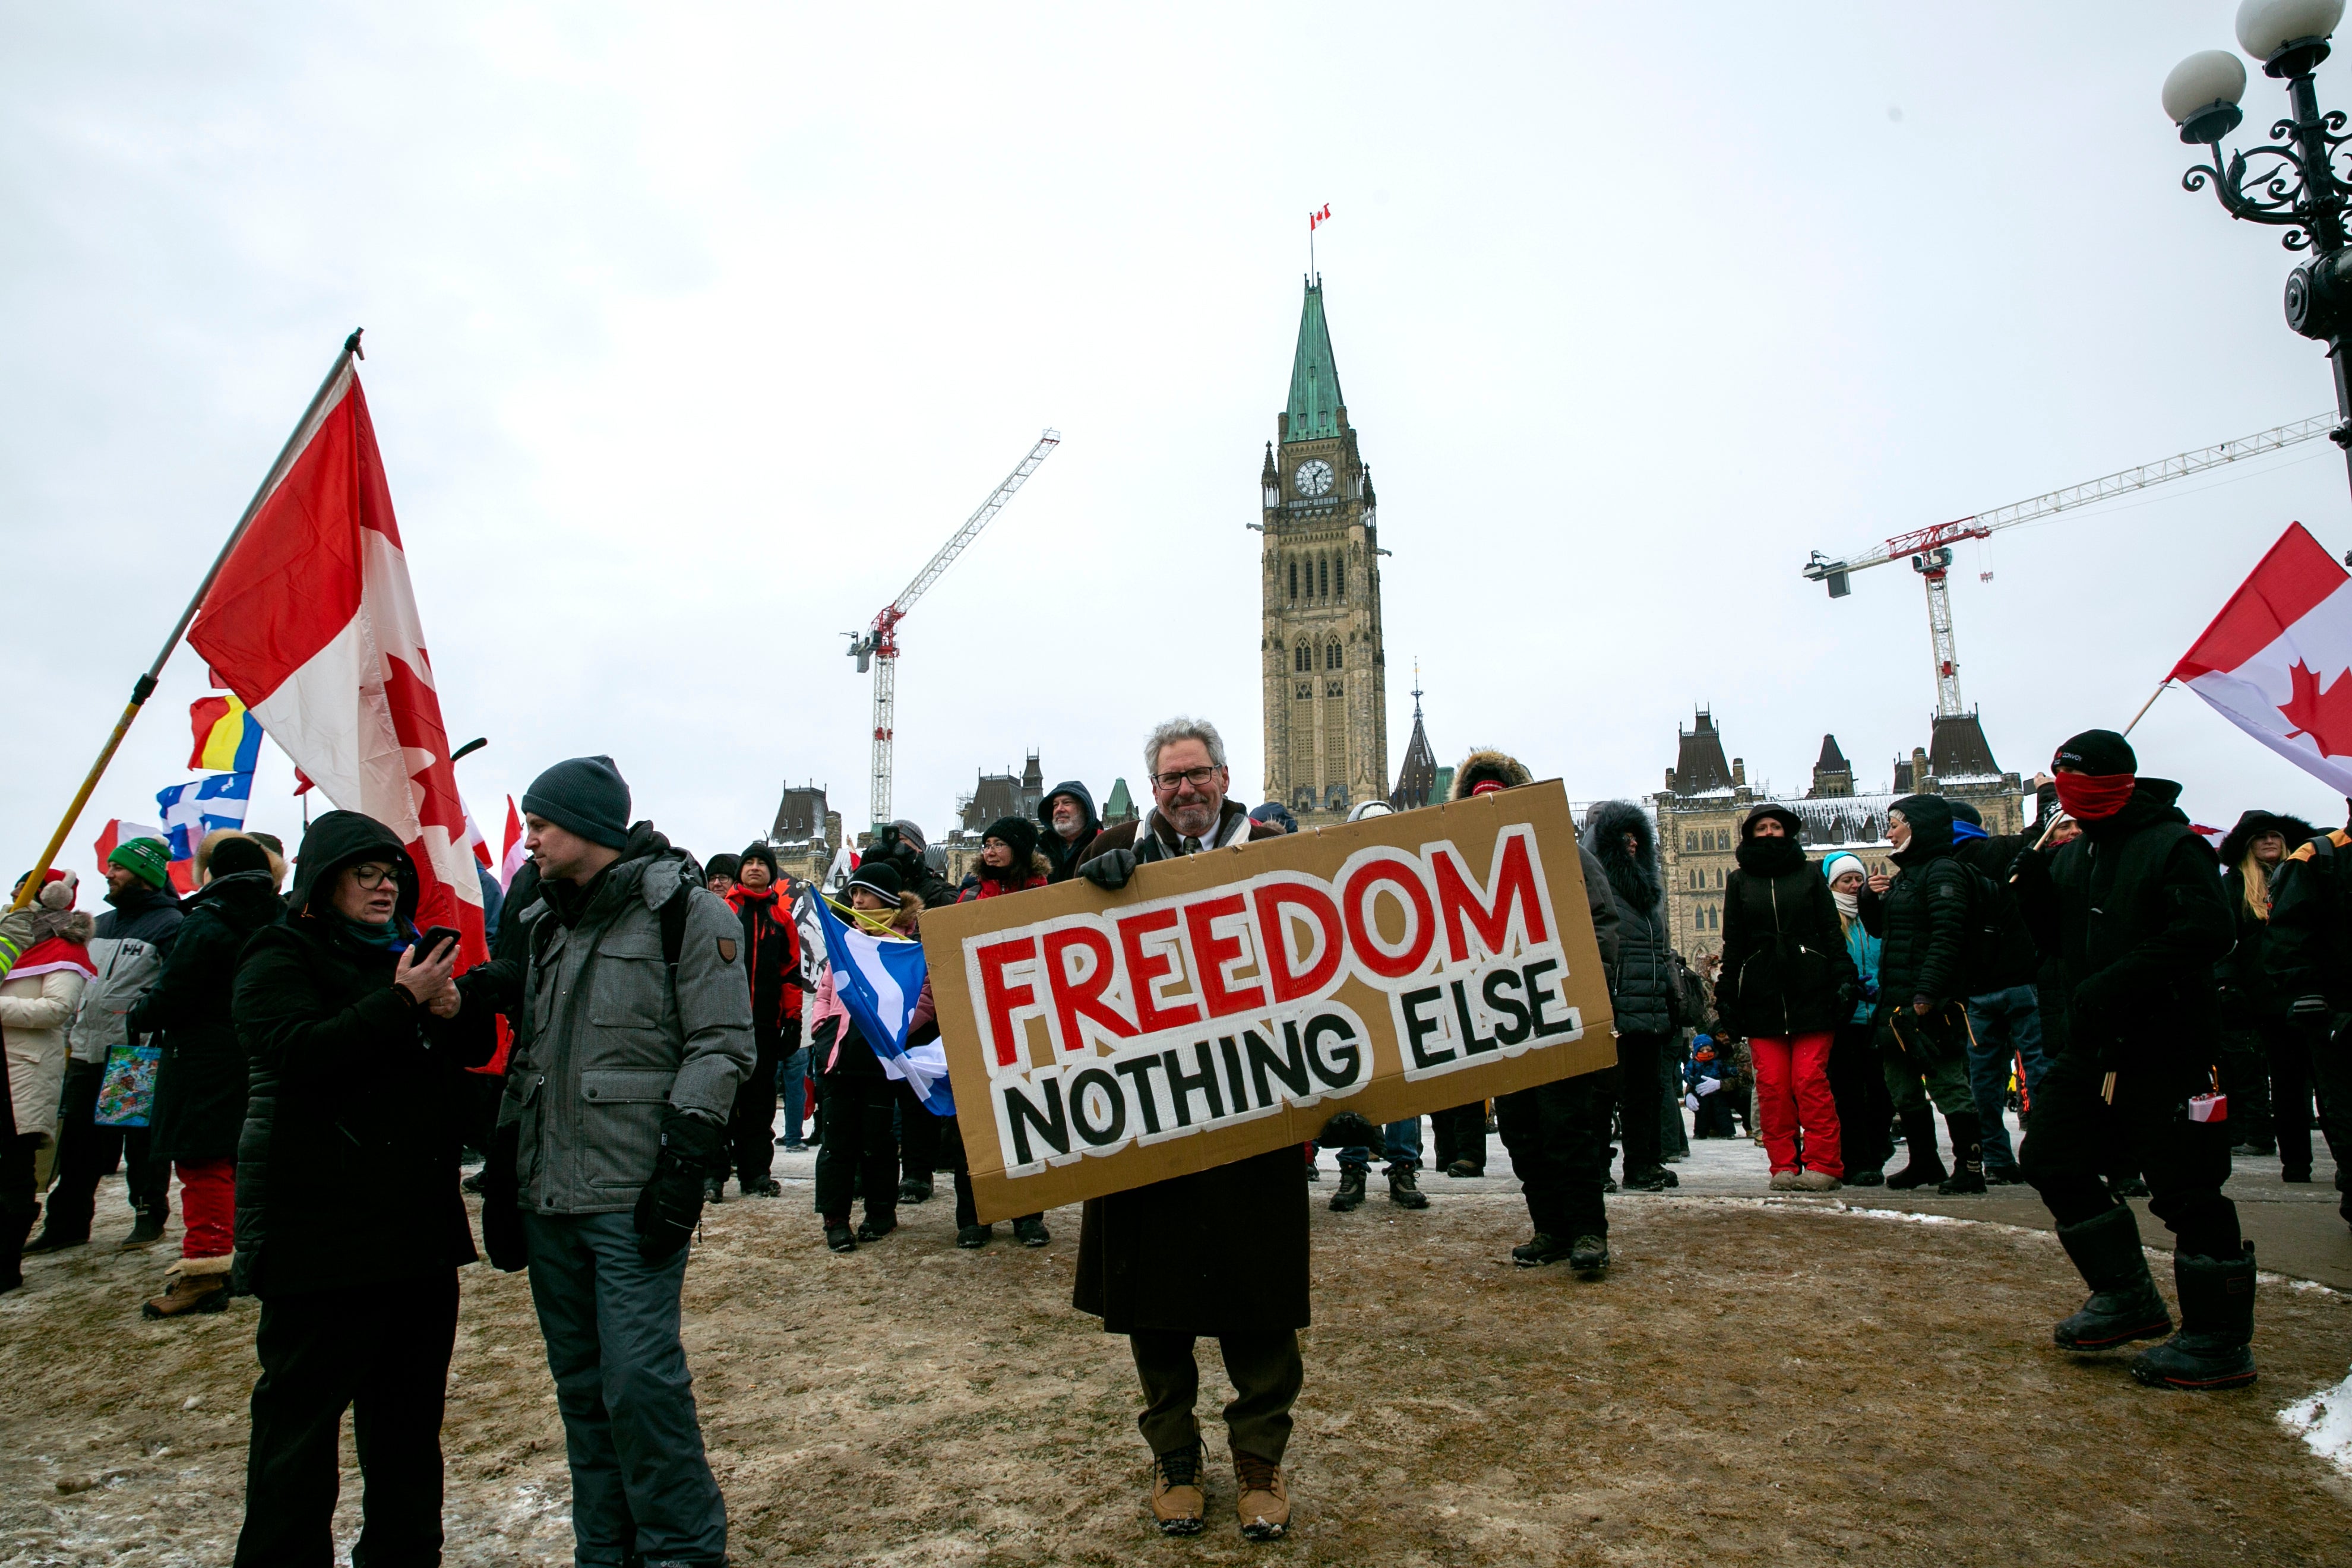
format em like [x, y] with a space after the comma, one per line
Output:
[1266, 1501]
[1178, 1503]
[198, 1285]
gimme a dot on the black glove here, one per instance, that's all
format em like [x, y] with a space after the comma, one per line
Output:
[502, 1234]
[670, 1204]
[1110, 869]
[1348, 1130]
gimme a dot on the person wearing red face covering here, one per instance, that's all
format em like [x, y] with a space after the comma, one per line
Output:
[2135, 913]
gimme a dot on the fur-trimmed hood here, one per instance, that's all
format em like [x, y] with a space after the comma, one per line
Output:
[2253, 825]
[1488, 766]
[1633, 874]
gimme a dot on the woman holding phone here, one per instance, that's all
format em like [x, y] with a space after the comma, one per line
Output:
[349, 1223]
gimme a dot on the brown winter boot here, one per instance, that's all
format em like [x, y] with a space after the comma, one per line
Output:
[1265, 1502]
[198, 1285]
[1178, 1501]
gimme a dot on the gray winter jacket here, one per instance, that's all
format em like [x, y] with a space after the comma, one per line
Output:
[608, 1042]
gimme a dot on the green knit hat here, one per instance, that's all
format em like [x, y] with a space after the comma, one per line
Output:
[145, 859]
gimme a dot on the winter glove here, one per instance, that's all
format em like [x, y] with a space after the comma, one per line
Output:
[1110, 869]
[670, 1206]
[1690, 1102]
[1348, 1130]
[1705, 1086]
[503, 1235]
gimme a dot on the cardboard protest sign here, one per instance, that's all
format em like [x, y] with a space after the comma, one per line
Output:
[1231, 1002]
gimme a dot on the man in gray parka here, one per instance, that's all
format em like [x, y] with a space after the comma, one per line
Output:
[635, 1029]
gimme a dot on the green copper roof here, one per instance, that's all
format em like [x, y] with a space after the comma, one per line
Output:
[1314, 377]
[1120, 805]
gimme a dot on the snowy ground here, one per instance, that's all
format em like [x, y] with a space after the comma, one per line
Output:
[1784, 1381]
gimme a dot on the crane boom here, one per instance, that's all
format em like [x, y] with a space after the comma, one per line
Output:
[1930, 549]
[880, 642]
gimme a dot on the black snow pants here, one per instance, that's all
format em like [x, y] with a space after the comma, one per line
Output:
[2074, 1135]
[1558, 1136]
[751, 1124]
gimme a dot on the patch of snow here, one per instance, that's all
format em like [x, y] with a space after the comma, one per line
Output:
[2324, 1421]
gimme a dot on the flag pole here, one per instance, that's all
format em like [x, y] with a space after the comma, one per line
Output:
[2147, 705]
[144, 687]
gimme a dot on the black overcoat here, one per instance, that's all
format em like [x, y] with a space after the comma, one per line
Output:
[200, 1078]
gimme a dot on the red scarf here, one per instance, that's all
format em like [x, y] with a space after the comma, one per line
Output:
[2092, 797]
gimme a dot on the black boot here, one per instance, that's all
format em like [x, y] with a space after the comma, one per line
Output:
[146, 1230]
[2124, 1305]
[1404, 1192]
[1967, 1155]
[1926, 1166]
[2217, 1325]
[1351, 1189]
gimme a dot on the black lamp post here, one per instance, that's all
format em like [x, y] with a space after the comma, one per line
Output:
[2293, 181]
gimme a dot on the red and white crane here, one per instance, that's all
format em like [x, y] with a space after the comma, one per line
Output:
[878, 645]
[1930, 549]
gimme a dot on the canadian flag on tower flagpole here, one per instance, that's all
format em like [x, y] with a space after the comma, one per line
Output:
[2277, 661]
[312, 623]
[1315, 220]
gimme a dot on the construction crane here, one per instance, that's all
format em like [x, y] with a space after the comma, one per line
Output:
[878, 645]
[1930, 549]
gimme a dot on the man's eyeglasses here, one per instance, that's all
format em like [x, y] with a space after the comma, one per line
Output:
[370, 877]
[1196, 777]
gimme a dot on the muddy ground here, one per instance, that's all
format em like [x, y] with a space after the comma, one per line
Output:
[1784, 1382]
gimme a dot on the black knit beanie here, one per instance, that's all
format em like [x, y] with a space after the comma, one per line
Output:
[1020, 836]
[762, 853]
[723, 866]
[2099, 753]
[585, 795]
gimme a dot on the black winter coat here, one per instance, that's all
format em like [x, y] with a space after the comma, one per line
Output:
[1785, 969]
[1923, 916]
[2014, 956]
[347, 1167]
[1645, 991]
[147, 914]
[1063, 855]
[2135, 913]
[200, 1081]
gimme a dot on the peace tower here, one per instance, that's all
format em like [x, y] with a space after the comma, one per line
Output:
[1326, 676]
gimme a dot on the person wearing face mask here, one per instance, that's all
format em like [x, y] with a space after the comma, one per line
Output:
[2134, 910]
[1921, 915]
[1788, 983]
[1857, 1075]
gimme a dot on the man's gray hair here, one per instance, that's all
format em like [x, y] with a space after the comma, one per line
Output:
[1182, 729]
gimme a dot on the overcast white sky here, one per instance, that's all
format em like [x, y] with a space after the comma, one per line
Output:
[694, 329]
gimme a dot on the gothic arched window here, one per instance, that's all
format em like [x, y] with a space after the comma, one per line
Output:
[1323, 576]
[1294, 581]
[1340, 573]
[1690, 842]
[1305, 659]
[1333, 657]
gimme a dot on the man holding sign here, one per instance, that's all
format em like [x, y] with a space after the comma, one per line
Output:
[1220, 1252]
[1157, 1035]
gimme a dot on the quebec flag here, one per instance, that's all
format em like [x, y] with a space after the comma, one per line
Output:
[879, 980]
[192, 810]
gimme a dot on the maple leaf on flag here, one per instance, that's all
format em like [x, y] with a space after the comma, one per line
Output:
[2324, 715]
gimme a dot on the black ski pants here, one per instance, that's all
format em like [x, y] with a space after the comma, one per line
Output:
[1461, 1135]
[2074, 1135]
[752, 1124]
[1558, 1136]
[1864, 1108]
[1640, 1094]
[382, 1352]
[859, 1151]
[2307, 1057]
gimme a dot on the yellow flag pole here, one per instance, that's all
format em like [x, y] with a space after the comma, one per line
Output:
[867, 917]
[2147, 705]
[144, 687]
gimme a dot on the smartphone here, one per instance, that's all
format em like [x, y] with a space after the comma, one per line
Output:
[429, 942]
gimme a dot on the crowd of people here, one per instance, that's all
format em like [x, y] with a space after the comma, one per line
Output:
[313, 1067]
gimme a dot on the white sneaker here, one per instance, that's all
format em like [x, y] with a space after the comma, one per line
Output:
[1785, 1181]
[1816, 1181]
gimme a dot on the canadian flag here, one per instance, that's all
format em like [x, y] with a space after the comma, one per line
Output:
[511, 860]
[2274, 662]
[312, 623]
[1315, 220]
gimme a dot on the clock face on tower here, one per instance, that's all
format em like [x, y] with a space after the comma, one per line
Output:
[1314, 476]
